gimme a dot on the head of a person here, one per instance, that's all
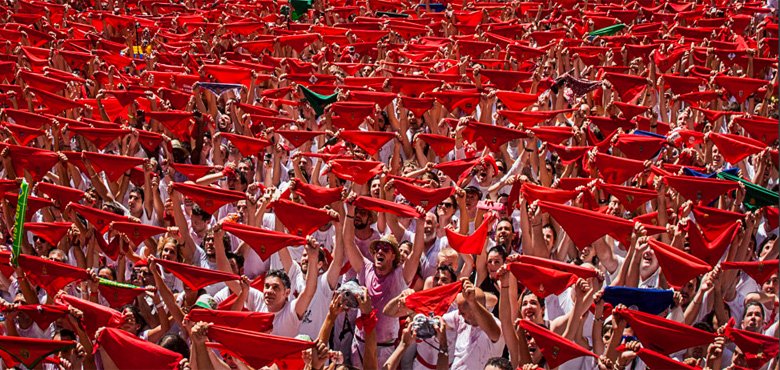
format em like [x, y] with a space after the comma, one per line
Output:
[753, 319]
[22, 319]
[444, 275]
[375, 186]
[649, 264]
[688, 290]
[276, 289]
[467, 309]
[496, 258]
[473, 196]
[58, 255]
[200, 219]
[236, 262]
[385, 254]
[176, 344]
[770, 285]
[41, 246]
[447, 257]
[322, 263]
[549, 235]
[700, 351]
[141, 275]
[531, 307]
[447, 207]
[405, 250]
[132, 320]
[498, 363]
[363, 218]
[431, 224]
[135, 200]
[169, 249]
[106, 272]
[505, 232]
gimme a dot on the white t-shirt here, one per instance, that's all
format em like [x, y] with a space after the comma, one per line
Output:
[473, 347]
[286, 322]
[320, 303]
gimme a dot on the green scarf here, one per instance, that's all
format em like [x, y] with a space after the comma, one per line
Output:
[755, 196]
[21, 212]
[299, 7]
[608, 31]
[318, 102]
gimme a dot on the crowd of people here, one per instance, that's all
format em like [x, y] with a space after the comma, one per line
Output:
[365, 184]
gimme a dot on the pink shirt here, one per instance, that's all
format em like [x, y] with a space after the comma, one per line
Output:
[382, 290]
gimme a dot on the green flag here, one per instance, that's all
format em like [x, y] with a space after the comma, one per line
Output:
[107, 282]
[608, 31]
[755, 196]
[299, 7]
[318, 102]
[21, 211]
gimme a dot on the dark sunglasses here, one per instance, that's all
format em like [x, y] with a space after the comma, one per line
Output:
[447, 205]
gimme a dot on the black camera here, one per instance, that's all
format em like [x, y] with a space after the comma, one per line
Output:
[425, 327]
[350, 291]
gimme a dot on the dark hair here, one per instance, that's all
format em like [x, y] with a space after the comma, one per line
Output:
[139, 319]
[552, 228]
[138, 190]
[753, 303]
[703, 325]
[499, 362]
[239, 259]
[113, 272]
[197, 211]
[448, 269]
[175, 343]
[281, 275]
[506, 219]
[529, 292]
[500, 250]
[65, 334]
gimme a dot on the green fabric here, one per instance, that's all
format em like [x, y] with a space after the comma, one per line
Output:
[112, 283]
[300, 7]
[318, 102]
[608, 31]
[755, 196]
[21, 211]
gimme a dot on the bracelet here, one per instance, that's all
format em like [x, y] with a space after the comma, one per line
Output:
[443, 351]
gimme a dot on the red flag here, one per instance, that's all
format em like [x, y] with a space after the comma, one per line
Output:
[42, 314]
[317, 196]
[196, 277]
[491, 136]
[423, 197]
[118, 296]
[244, 320]
[263, 242]
[381, 205]
[455, 169]
[245, 345]
[192, 171]
[370, 141]
[700, 189]
[435, 300]
[654, 332]
[441, 145]
[740, 87]
[30, 351]
[177, 122]
[136, 232]
[114, 166]
[616, 170]
[581, 272]
[299, 137]
[300, 220]
[630, 197]
[655, 360]
[735, 148]
[101, 137]
[246, 145]
[532, 192]
[516, 100]
[209, 198]
[628, 86]
[758, 348]
[50, 275]
[760, 271]
[714, 221]
[678, 267]
[542, 281]
[760, 128]
[474, 243]
[354, 113]
[99, 219]
[354, 170]
[569, 154]
[62, 195]
[52, 232]
[555, 348]
[36, 161]
[55, 103]
[95, 316]
[129, 352]
[639, 147]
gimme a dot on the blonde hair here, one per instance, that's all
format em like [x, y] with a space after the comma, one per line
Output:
[162, 242]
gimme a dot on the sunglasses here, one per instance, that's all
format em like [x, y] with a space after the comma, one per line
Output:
[383, 248]
[447, 205]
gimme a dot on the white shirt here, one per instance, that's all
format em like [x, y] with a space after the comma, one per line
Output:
[473, 347]
[286, 322]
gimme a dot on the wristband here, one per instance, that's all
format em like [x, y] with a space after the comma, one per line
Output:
[367, 323]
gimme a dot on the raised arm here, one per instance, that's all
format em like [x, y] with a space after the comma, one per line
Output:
[353, 254]
[413, 262]
[485, 319]
[304, 299]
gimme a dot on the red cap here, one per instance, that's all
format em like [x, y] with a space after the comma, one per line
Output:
[130, 352]
[300, 220]
[474, 243]
[435, 300]
[263, 242]
[209, 198]
[555, 348]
